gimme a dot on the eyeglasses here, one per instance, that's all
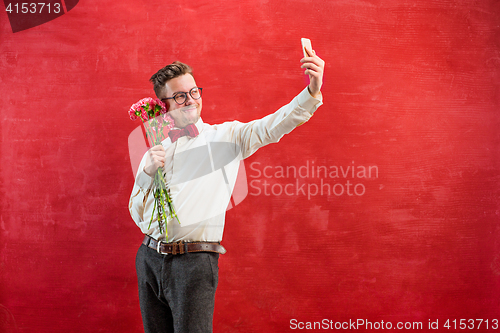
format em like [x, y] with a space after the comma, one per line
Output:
[181, 97]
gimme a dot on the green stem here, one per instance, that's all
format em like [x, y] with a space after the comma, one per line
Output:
[155, 135]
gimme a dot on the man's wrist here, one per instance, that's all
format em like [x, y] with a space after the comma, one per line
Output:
[311, 93]
[308, 102]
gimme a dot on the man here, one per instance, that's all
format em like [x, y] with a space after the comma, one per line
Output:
[178, 276]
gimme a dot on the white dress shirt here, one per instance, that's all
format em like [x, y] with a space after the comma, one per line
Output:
[201, 172]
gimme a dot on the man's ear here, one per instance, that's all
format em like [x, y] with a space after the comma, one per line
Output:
[163, 92]
[167, 106]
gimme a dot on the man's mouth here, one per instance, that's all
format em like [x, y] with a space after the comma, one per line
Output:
[188, 108]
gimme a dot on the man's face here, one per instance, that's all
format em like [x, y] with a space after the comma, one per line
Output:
[187, 115]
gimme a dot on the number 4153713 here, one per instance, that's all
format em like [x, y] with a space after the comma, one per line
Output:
[33, 8]
[471, 324]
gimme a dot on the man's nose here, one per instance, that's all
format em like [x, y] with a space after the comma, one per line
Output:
[189, 100]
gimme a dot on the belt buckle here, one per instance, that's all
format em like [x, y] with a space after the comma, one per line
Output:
[158, 248]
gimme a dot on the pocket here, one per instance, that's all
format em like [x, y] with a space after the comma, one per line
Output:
[214, 264]
[139, 259]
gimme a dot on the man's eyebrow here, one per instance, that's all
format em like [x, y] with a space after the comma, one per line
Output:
[175, 92]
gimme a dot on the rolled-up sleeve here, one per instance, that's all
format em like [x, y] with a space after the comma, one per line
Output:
[270, 129]
[139, 194]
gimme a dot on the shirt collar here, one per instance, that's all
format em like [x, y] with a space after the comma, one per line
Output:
[198, 124]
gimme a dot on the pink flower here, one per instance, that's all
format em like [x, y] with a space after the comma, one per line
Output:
[148, 108]
[162, 105]
[137, 110]
[144, 114]
[132, 114]
[168, 121]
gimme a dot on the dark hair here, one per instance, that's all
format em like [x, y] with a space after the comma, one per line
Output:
[168, 72]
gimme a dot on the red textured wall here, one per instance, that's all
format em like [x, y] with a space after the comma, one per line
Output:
[411, 89]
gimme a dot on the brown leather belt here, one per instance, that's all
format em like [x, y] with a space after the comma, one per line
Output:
[182, 247]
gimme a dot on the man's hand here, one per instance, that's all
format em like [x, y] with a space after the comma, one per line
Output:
[154, 160]
[314, 66]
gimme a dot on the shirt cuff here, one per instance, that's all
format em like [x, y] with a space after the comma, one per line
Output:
[306, 101]
[143, 180]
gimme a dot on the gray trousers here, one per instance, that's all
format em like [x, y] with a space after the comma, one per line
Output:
[177, 292]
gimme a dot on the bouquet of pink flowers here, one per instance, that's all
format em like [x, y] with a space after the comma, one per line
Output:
[155, 119]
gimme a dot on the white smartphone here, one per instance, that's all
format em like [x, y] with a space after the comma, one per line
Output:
[306, 42]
